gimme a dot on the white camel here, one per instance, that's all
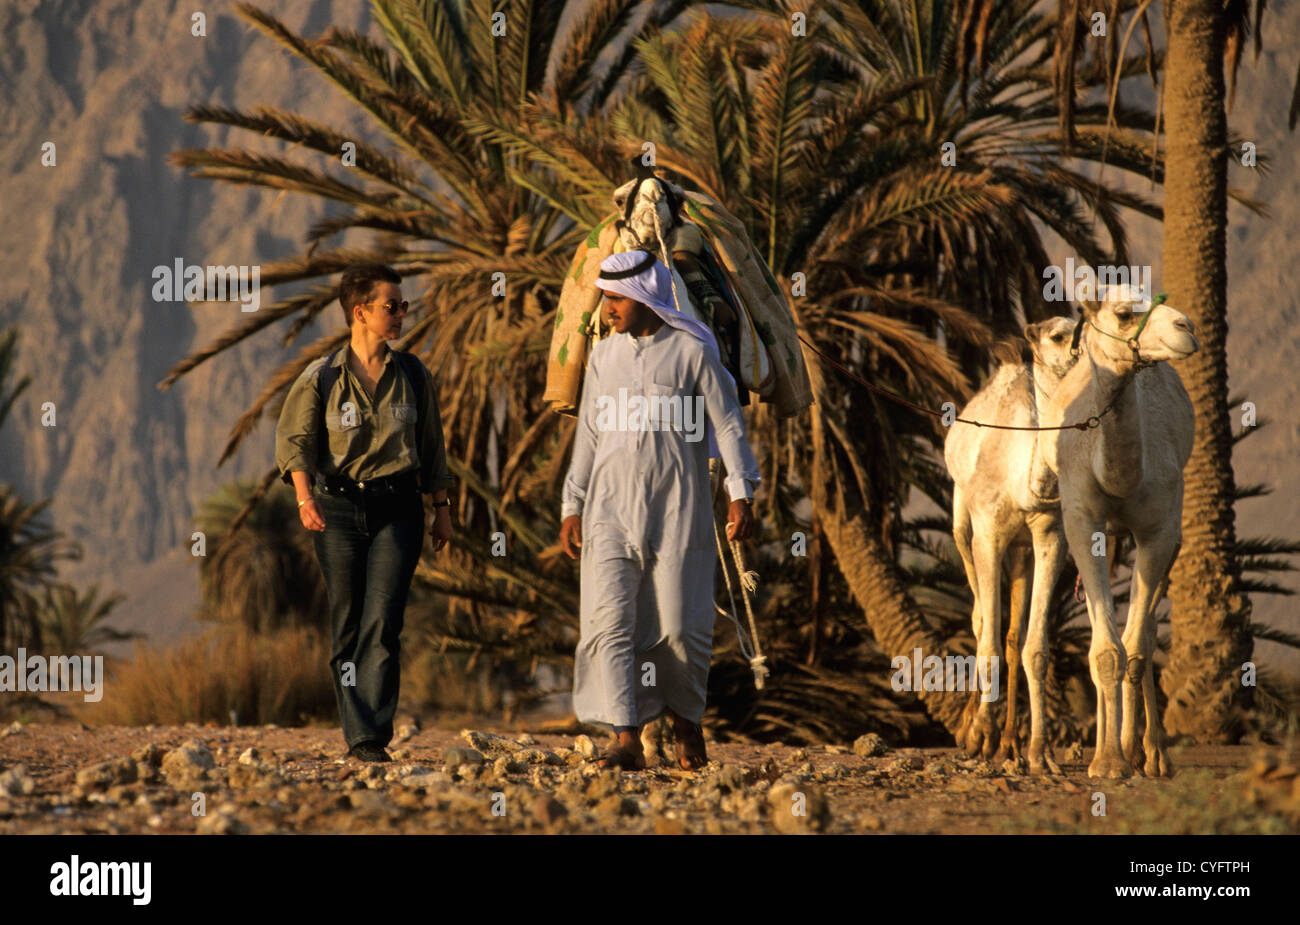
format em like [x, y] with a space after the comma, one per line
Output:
[1126, 472]
[1005, 510]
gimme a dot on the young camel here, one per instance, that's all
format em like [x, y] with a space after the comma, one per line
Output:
[1005, 510]
[1127, 472]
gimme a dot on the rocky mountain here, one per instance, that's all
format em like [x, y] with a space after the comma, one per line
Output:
[106, 82]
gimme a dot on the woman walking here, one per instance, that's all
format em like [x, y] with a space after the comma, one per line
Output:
[360, 437]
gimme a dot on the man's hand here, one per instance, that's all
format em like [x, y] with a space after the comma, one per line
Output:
[571, 535]
[740, 522]
[441, 530]
[310, 516]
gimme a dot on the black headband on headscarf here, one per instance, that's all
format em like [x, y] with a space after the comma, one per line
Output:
[632, 271]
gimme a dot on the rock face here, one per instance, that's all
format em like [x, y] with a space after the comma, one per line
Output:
[127, 465]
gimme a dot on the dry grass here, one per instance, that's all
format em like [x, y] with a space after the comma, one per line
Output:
[1264, 799]
[280, 677]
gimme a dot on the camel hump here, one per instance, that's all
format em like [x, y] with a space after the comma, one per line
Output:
[1005, 398]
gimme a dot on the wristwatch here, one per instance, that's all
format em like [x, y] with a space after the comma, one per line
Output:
[446, 503]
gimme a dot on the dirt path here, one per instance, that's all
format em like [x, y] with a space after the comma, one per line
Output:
[70, 778]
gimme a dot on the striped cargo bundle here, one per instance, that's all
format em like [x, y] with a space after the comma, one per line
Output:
[576, 318]
[762, 298]
[763, 309]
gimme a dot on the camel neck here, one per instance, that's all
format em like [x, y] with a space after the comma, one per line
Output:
[1117, 461]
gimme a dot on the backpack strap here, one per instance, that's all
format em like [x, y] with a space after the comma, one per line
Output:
[325, 378]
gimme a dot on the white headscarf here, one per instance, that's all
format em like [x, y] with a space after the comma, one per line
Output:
[653, 287]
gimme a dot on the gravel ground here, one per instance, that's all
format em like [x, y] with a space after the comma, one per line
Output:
[69, 778]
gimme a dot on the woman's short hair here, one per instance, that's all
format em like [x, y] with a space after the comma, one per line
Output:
[358, 283]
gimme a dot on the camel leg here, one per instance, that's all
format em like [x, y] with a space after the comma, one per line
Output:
[1106, 658]
[987, 547]
[1049, 559]
[961, 534]
[1155, 554]
[1019, 566]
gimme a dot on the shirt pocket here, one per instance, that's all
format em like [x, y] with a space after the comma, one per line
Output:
[670, 407]
[346, 435]
[403, 414]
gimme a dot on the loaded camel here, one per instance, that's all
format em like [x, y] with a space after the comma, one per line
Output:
[1006, 512]
[1126, 472]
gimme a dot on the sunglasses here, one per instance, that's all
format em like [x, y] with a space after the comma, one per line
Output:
[393, 307]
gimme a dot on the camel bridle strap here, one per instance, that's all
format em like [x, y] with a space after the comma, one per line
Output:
[1131, 341]
[1095, 420]
[644, 172]
[1076, 336]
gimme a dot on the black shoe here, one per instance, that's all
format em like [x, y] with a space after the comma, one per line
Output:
[369, 751]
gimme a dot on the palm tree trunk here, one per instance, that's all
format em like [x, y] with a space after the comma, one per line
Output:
[1210, 616]
[895, 621]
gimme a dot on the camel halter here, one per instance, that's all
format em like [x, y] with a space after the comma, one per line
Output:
[1131, 341]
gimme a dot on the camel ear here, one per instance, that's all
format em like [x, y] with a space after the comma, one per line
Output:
[1031, 335]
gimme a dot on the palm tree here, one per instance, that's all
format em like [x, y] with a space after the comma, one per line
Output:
[1211, 610]
[71, 621]
[263, 576]
[29, 556]
[29, 550]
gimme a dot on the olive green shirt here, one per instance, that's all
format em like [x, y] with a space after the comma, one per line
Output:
[367, 438]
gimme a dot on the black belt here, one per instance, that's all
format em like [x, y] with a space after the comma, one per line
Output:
[387, 484]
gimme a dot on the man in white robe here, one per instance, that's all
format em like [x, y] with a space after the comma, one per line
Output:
[637, 504]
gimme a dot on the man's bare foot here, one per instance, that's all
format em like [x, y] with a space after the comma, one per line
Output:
[691, 754]
[627, 754]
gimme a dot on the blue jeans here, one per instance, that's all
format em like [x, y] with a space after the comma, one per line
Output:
[367, 554]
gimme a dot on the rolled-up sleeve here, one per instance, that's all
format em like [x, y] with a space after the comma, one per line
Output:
[295, 432]
[434, 473]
